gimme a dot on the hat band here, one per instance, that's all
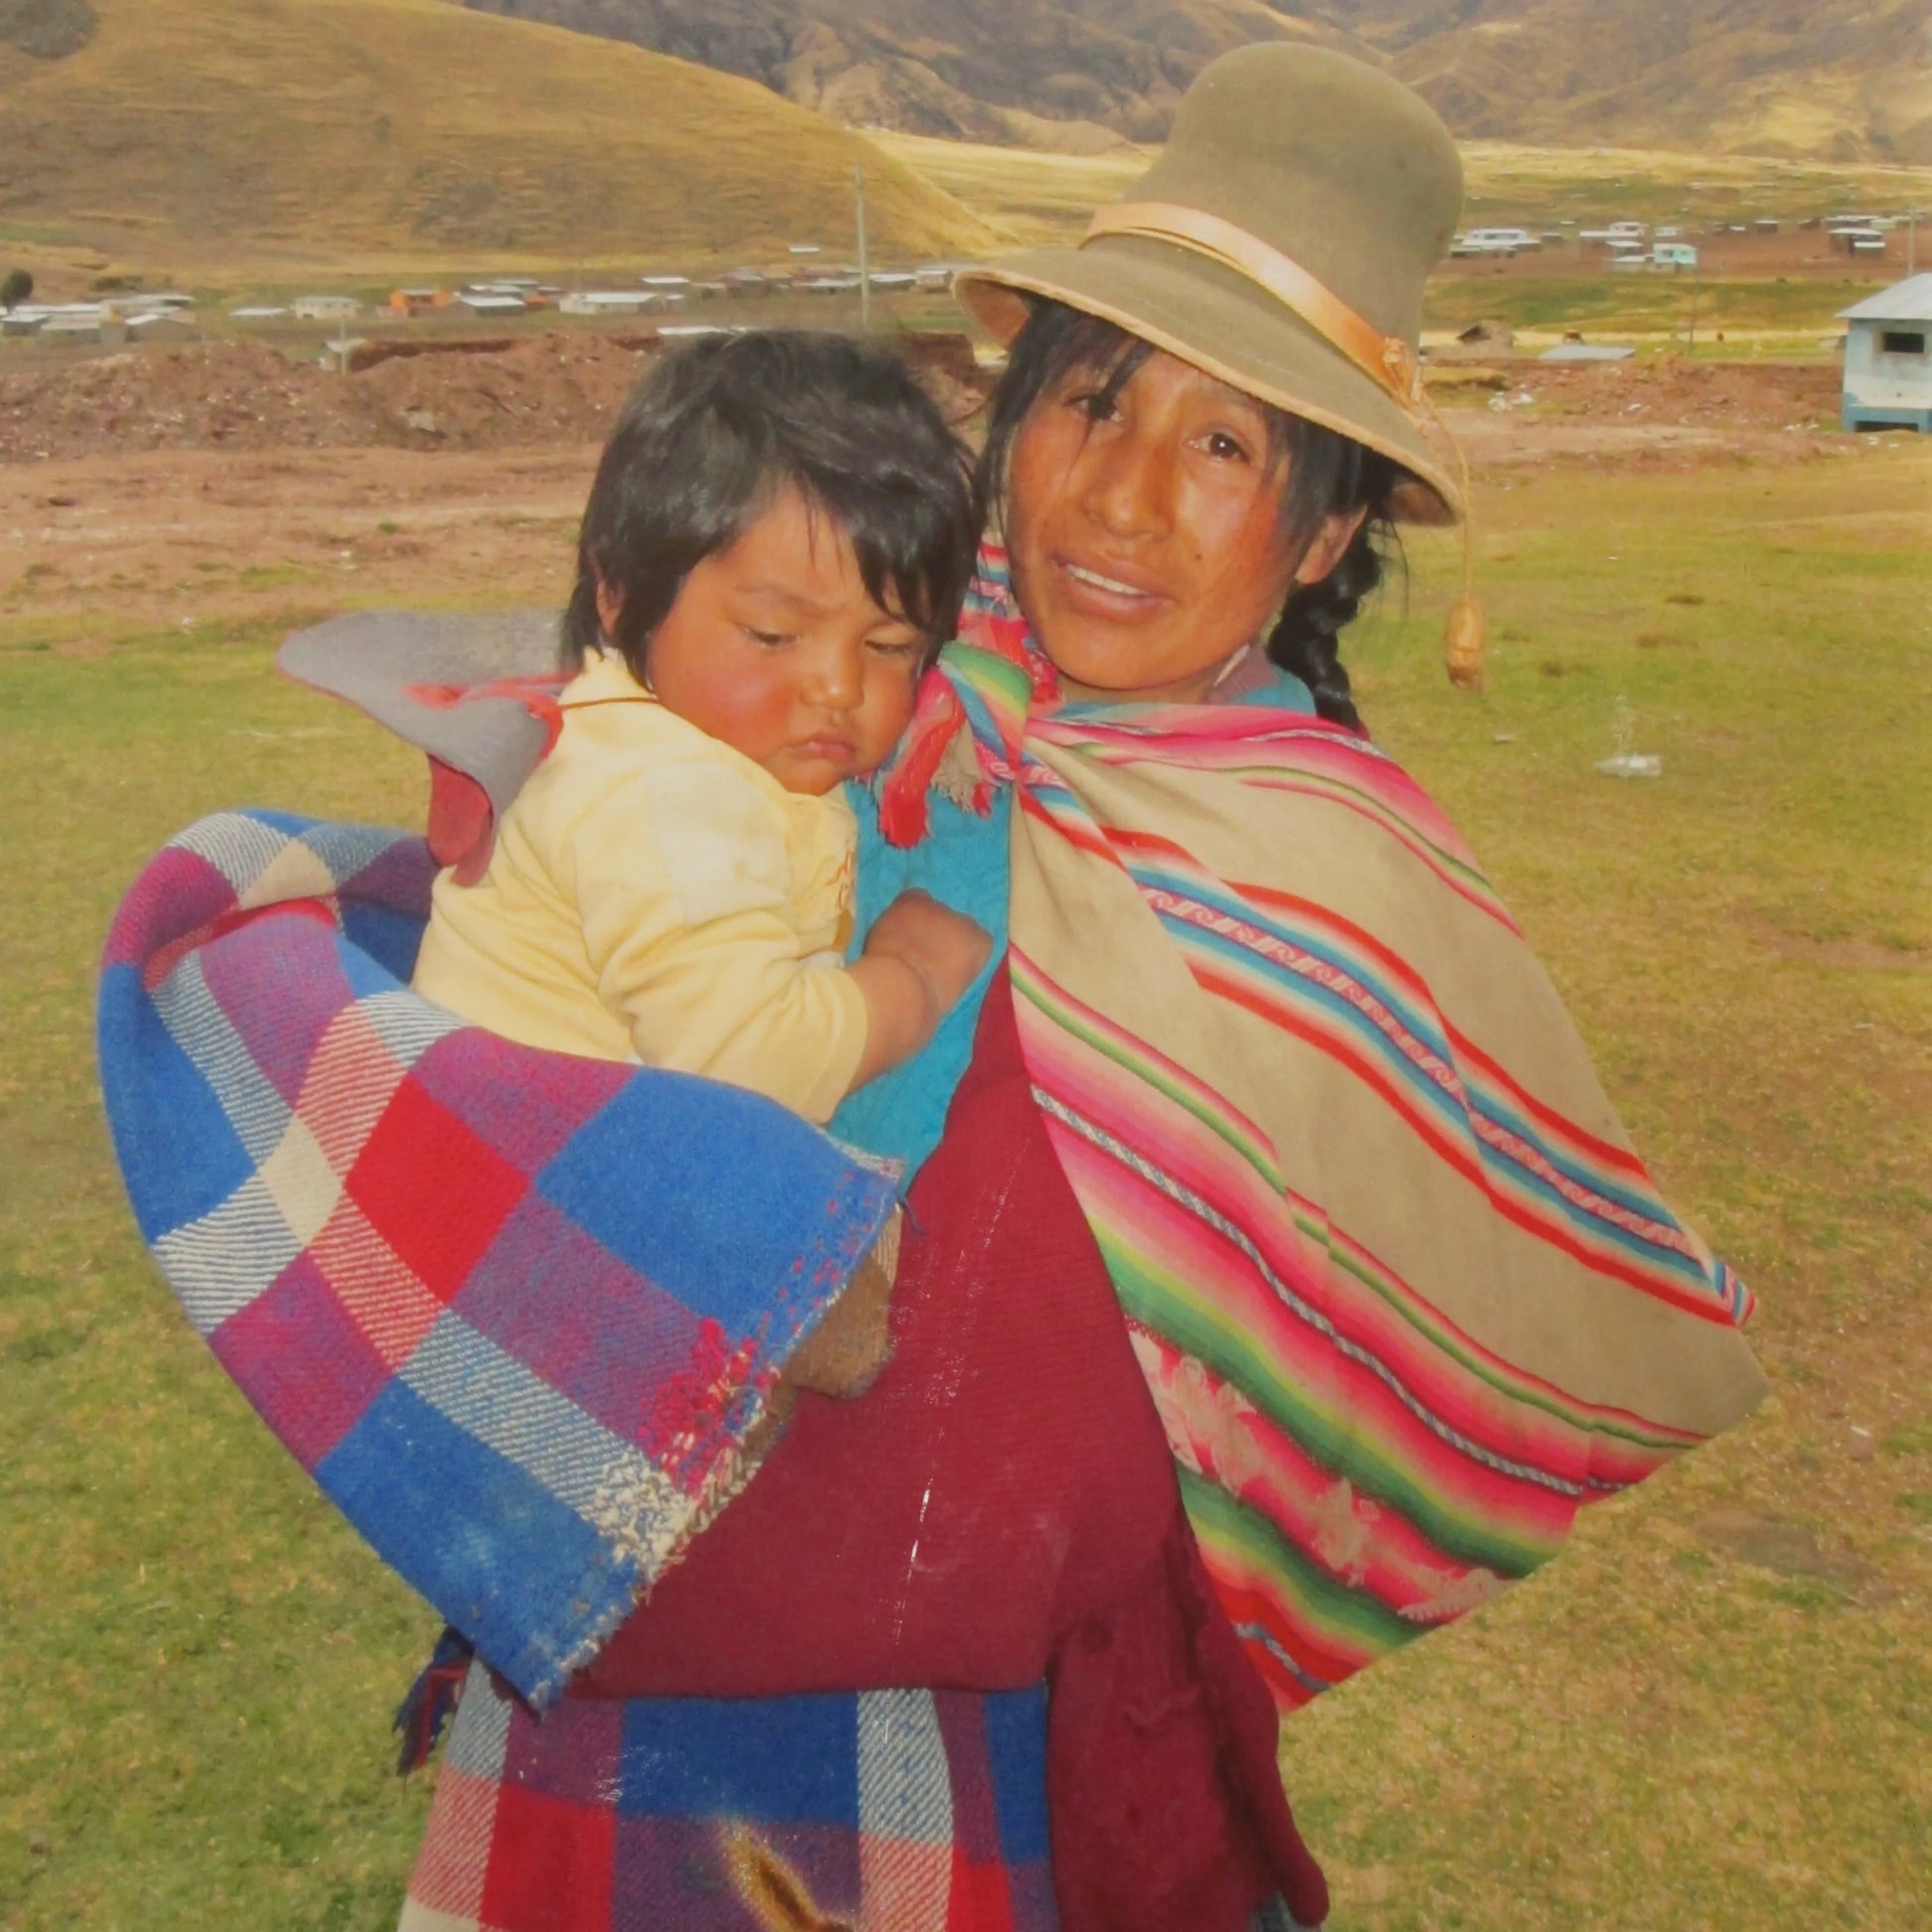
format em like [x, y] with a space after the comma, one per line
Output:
[1387, 361]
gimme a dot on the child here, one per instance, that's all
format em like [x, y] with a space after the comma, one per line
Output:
[776, 543]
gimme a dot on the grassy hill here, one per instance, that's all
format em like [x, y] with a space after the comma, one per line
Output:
[1045, 197]
[203, 136]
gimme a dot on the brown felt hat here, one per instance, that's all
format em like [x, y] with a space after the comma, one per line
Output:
[1280, 243]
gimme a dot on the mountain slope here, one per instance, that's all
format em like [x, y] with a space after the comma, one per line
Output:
[1765, 77]
[1849, 79]
[381, 131]
[1053, 72]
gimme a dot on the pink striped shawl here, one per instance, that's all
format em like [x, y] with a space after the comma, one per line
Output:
[1403, 1293]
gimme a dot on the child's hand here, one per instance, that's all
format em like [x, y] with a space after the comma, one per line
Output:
[920, 957]
[945, 949]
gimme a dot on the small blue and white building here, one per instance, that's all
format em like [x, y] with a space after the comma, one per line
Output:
[1889, 359]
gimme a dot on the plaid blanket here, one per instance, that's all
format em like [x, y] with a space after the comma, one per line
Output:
[1404, 1294]
[526, 1387]
[892, 1811]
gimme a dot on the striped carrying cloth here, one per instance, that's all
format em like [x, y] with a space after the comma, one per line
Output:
[1404, 1294]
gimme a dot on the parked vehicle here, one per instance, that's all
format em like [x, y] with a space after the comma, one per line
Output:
[1494, 241]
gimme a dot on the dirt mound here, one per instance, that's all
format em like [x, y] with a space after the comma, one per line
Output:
[551, 389]
[234, 396]
[1714, 395]
[49, 30]
[565, 386]
[1660, 415]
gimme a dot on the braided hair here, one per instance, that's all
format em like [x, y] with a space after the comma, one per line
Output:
[1326, 474]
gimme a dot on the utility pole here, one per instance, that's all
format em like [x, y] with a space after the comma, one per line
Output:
[865, 262]
[1697, 289]
[1911, 241]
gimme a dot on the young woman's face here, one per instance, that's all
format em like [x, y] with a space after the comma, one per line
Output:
[774, 646]
[1144, 538]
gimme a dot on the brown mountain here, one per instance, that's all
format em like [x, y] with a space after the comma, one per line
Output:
[1841, 78]
[1838, 80]
[1040, 73]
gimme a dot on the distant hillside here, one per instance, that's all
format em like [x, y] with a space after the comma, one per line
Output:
[199, 132]
[1069, 73]
[1809, 78]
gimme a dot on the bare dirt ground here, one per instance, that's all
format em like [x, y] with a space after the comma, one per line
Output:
[1666, 413]
[223, 482]
[190, 537]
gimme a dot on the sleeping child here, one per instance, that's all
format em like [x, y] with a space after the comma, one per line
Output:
[776, 544]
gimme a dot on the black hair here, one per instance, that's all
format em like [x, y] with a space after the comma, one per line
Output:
[723, 424]
[1327, 475]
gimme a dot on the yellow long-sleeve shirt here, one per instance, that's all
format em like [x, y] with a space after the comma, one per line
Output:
[654, 896]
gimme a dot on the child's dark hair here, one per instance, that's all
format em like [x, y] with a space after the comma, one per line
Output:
[1328, 474]
[723, 423]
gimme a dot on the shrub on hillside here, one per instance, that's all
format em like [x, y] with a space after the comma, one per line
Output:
[50, 30]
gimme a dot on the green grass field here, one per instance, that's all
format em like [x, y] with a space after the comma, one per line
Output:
[1045, 197]
[1634, 305]
[1716, 1710]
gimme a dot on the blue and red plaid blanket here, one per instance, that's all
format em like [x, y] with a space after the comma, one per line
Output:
[888, 1811]
[525, 1386]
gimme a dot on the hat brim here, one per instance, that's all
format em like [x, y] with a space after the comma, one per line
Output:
[1215, 318]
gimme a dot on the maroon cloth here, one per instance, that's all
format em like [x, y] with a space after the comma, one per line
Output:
[1002, 1508]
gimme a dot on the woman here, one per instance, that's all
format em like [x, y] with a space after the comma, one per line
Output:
[1270, 1073]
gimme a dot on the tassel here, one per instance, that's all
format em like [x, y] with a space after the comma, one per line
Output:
[1466, 633]
[1462, 642]
[431, 1700]
[904, 814]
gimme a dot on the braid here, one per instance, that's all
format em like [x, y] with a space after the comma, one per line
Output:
[1306, 638]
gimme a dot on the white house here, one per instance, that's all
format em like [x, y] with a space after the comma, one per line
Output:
[73, 321]
[1888, 367]
[326, 308]
[607, 302]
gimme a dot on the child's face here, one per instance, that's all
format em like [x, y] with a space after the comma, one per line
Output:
[775, 648]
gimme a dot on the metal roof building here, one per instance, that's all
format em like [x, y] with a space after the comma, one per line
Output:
[1889, 359]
